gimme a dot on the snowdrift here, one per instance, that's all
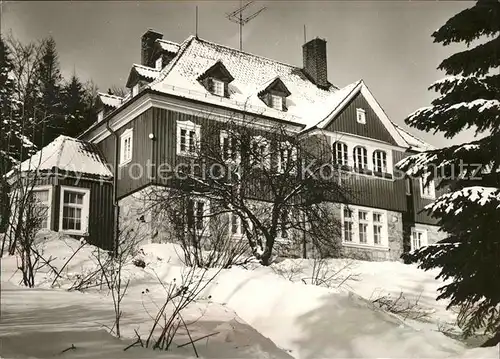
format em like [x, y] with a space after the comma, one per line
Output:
[250, 313]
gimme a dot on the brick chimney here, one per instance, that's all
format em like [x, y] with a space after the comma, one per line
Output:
[147, 41]
[314, 57]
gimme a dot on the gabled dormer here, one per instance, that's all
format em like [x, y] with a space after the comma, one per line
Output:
[216, 79]
[274, 94]
[106, 103]
[163, 52]
[139, 77]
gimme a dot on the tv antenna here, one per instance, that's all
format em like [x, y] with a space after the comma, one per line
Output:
[237, 17]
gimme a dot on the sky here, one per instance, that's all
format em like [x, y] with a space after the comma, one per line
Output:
[388, 44]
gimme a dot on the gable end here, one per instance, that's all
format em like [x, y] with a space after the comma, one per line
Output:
[346, 121]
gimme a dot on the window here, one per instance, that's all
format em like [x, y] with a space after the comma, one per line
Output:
[348, 235]
[418, 239]
[360, 158]
[277, 102]
[259, 152]
[235, 224]
[188, 137]
[341, 154]
[408, 185]
[287, 158]
[74, 210]
[360, 115]
[218, 87]
[363, 226]
[229, 147]
[135, 90]
[126, 143]
[427, 191]
[198, 215]
[377, 228]
[380, 161]
[42, 197]
[100, 116]
[158, 63]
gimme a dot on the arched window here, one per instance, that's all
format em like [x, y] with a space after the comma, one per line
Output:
[360, 157]
[380, 161]
[340, 151]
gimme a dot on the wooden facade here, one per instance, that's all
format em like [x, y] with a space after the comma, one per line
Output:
[101, 218]
[373, 128]
[370, 191]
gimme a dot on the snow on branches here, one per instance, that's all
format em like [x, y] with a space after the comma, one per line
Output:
[454, 202]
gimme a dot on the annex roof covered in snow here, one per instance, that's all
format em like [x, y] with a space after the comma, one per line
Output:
[68, 154]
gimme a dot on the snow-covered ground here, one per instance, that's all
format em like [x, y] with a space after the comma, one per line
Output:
[248, 313]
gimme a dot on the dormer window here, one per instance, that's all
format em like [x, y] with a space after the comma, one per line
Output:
[135, 90]
[274, 94]
[360, 115]
[216, 79]
[158, 63]
[277, 102]
[218, 87]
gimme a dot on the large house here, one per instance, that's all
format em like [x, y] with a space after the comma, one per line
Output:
[178, 88]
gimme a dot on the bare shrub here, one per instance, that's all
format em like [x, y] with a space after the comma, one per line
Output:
[170, 319]
[204, 235]
[111, 269]
[292, 271]
[322, 273]
[326, 275]
[25, 223]
[403, 307]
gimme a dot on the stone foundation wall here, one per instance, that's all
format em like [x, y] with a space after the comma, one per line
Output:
[137, 211]
[391, 253]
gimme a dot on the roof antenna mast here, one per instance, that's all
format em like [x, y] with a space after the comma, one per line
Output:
[196, 30]
[237, 17]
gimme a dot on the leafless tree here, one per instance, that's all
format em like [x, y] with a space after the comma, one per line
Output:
[25, 221]
[204, 236]
[279, 184]
[111, 268]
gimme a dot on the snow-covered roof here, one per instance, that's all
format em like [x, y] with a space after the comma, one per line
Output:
[67, 154]
[251, 73]
[145, 71]
[168, 46]
[308, 105]
[414, 142]
[110, 100]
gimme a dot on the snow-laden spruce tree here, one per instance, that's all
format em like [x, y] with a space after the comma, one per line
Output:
[469, 97]
[10, 128]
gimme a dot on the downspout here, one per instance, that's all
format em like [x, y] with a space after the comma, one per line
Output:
[116, 208]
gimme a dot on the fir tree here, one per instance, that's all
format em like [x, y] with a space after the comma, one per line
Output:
[75, 102]
[469, 97]
[11, 139]
[48, 115]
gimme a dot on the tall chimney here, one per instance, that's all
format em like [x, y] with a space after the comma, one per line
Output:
[314, 57]
[147, 41]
